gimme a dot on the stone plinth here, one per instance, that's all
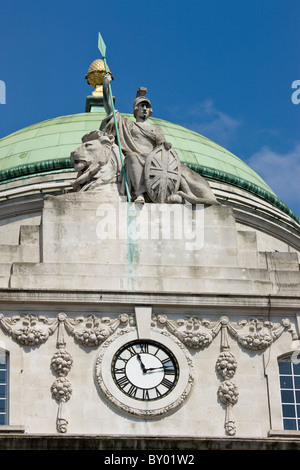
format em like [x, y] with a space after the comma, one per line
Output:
[90, 244]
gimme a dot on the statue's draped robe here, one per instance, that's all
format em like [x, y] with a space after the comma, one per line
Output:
[137, 142]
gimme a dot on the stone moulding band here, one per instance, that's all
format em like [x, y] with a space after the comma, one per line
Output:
[64, 164]
[36, 168]
[194, 332]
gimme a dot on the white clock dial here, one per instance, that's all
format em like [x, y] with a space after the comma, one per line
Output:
[145, 370]
[144, 377]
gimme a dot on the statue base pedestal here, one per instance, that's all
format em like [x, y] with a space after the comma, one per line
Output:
[89, 244]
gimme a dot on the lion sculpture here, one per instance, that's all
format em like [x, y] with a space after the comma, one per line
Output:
[97, 163]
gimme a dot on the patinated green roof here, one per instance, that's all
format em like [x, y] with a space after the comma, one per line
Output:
[45, 148]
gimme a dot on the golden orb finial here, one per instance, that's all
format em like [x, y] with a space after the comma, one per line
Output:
[95, 76]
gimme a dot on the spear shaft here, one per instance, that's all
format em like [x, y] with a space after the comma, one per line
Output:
[102, 49]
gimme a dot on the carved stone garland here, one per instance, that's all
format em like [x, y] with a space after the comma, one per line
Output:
[91, 331]
[253, 334]
[226, 367]
[61, 364]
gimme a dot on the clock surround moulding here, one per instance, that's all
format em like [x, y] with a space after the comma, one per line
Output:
[169, 402]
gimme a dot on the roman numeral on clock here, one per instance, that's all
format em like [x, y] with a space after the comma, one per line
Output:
[121, 370]
[166, 383]
[131, 351]
[169, 370]
[123, 381]
[144, 348]
[132, 391]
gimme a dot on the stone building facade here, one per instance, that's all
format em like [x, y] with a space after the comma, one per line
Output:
[86, 282]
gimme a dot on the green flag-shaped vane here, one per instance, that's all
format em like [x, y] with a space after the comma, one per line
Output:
[101, 46]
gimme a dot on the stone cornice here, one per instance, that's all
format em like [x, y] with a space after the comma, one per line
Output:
[143, 443]
[10, 298]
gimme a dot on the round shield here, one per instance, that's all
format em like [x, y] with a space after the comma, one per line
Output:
[162, 174]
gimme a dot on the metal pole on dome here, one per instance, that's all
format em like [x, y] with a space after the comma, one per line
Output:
[102, 49]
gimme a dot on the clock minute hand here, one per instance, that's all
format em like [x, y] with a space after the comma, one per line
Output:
[157, 368]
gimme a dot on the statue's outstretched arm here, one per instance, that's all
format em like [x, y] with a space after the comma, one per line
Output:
[108, 106]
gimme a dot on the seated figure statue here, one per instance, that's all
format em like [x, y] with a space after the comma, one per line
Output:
[140, 140]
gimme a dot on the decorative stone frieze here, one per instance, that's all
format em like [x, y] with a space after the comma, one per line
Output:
[92, 330]
[28, 330]
[193, 332]
[258, 335]
[252, 334]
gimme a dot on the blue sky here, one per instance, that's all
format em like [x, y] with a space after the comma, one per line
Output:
[223, 68]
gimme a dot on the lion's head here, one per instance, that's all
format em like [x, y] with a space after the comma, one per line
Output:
[96, 161]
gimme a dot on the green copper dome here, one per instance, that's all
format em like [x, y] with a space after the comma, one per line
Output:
[45, 147]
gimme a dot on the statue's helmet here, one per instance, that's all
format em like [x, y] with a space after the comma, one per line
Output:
[141, 98]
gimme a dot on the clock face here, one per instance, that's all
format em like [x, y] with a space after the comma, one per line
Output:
[145, 370]
[144, 377]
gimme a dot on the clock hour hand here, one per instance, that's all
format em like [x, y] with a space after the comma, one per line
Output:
[141, 362]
